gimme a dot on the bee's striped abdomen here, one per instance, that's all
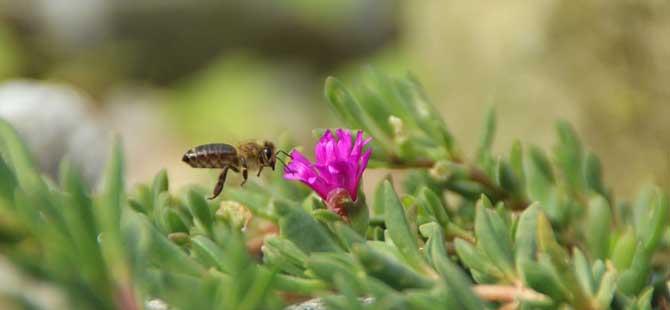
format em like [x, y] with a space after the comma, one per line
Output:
[216, 155]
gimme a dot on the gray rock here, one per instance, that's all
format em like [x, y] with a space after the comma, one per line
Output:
[318, 304]
[54, 122]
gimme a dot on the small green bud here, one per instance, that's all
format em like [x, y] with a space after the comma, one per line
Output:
[440, 171]
[399, 133]
[179, 238]
[234, 213]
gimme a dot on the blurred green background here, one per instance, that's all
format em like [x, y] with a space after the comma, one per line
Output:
[169, 74]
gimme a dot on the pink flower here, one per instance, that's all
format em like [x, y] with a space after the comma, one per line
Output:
[338, 168]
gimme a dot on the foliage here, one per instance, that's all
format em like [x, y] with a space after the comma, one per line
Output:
[523, 229]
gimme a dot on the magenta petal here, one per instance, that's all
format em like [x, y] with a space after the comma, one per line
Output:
[359, 172]
[299, 172]
[298, 157]
[299, 168]
[358, 146]
[322, 189]
[343, 145]
[320, 149]
[325, 174]
[363, 163]
[331, 151]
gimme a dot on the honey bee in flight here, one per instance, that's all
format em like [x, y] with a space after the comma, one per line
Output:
[245, 156]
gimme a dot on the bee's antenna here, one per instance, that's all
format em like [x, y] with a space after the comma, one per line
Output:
[282, 161]
[285, 166]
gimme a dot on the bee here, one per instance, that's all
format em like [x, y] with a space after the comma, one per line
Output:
[238, 158]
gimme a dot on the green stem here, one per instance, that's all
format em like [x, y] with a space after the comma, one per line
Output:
[452, 230]
[474, 174]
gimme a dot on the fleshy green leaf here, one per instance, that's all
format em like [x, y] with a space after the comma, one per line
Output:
[254, 297]
[583, 271]
[559, 259]
[375, 108]
[474, 259]
[484, 156]
[624, 246]
[516, 161]
[326, 266]
[210, 253]
[17, 155]
[525, 239]
[349, 291]
[633, 280]
[547, 242]
[359, 214]
[598, 227]
[644, 300]
[159, 196]
[7, 182]
[607, 288]
[326, 216]
[643, 203]
[349, 109]
[507, 179]
[389, 270]
[347, 235]
[658, 218]
[174, 221]
[305, 232]
[457, 283]
[80, 220]
[108, 214]
[399, 230]
[378, 205]
[298, 285]
[540, 161]
[161, 251]
[284, 255]
[343, 102]
[200, 210]
[569, 156]
[494, 238]
[593, 175]
[430, 201]
[542, 279]
[160, 183]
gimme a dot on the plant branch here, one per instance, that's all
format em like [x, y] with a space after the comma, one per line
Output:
[474, 174]
[397, 163]
[507, 293]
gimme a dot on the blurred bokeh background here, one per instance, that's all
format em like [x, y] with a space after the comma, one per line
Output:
[169, 74]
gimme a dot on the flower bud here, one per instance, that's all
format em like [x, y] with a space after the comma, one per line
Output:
[399, 133]
[339, 201]
[440, 171]
[234, 213]
[179, 238]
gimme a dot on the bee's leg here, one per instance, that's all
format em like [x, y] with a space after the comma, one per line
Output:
[245, 173]
[219, 184]
[259, 171]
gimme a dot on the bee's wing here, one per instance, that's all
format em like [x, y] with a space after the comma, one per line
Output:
[216, 148]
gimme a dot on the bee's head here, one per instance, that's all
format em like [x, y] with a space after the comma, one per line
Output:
[268, 157]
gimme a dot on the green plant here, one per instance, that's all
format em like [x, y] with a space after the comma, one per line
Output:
[522, 230]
